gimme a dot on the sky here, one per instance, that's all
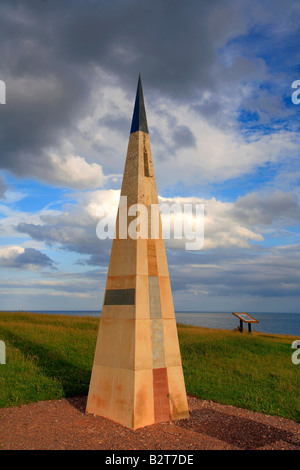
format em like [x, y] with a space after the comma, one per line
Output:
[217, 80]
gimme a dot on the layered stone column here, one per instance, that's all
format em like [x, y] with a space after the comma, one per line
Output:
[137, 376]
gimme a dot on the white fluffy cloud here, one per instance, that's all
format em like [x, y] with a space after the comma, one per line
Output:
[10, 252]
[236, 225]
[74, 171]
[65, 168]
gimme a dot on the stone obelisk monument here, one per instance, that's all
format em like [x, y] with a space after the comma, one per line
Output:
[137, 376]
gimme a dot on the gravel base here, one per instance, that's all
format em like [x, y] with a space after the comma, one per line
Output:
[63, 424]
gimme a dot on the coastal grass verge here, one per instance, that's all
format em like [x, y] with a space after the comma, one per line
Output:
[51, 356]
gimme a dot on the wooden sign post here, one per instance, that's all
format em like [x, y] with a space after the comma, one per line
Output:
[246, 318]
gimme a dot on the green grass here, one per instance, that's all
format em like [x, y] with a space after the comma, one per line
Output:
[250, 371]
[51, 356]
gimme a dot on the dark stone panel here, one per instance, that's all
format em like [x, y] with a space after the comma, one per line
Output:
[120, 297]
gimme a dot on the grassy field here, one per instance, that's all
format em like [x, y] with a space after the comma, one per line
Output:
[50, 356]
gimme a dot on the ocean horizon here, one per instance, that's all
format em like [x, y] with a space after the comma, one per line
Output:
[269, 322]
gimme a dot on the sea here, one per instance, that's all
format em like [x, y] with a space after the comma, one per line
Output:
[277, 323]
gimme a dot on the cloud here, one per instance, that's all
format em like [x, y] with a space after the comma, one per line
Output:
[74, 228]
[23, 258]
[265, 209]
[54, 289]
[219, 155]
[242, 279]
[183, 137]
[3, 187]
[229, 267]
[236, 225]
[217, 101]
[71, 171]
[226, 225]
[262, 276]
[57, 77]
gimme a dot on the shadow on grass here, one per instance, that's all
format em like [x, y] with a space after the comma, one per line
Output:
[73, 379]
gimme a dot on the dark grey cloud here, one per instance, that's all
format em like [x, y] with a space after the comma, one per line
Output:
[3, 187]
[81, 240]
[116, 122]
[272, 273]
[264, 208]
[30, 258]
[183, 137]
[49, 52]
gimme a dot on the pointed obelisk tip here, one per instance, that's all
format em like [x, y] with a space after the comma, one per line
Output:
[139, 120]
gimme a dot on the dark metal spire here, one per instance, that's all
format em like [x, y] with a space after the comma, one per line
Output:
[139, 120]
